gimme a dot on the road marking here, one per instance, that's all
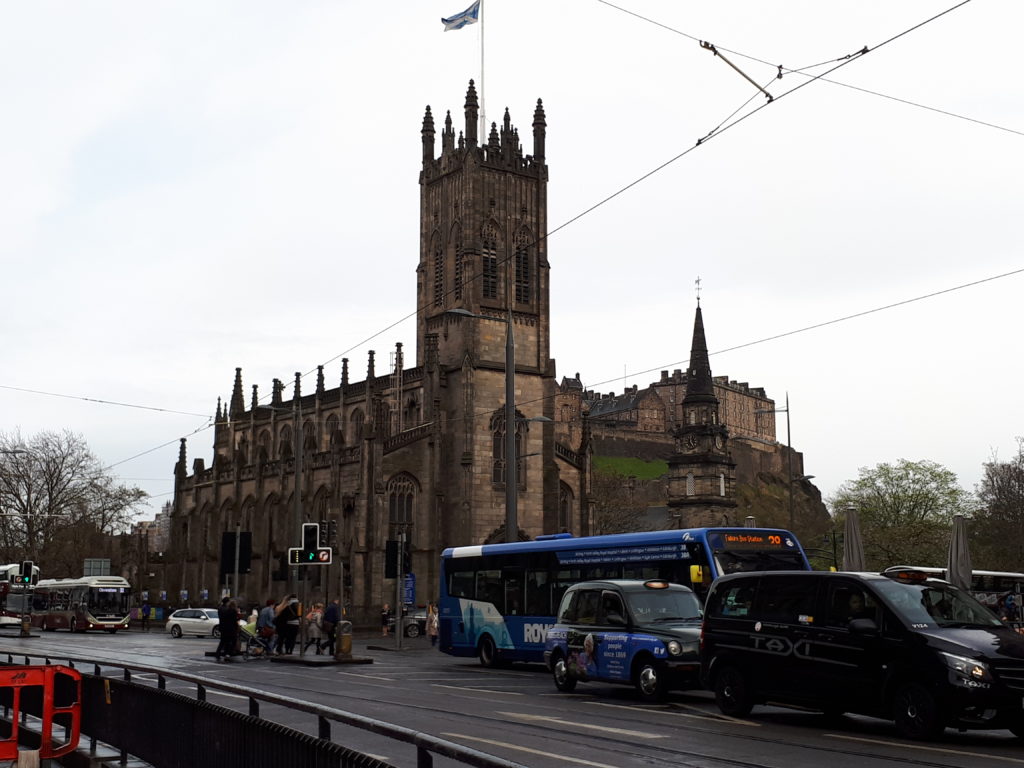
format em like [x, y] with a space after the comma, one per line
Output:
[575, 724]
[212, 691]
[369, 677]
[518, 748]
[475, 690]
[663, 711]
[915, 746]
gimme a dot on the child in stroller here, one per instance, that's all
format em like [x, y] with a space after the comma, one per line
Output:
[251, 644]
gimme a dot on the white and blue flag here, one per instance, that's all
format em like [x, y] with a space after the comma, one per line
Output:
[469, 16]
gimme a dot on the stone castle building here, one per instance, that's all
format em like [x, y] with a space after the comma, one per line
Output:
[417, 450]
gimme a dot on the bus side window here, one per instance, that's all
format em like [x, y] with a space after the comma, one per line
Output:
[537, 602]
[513, 581]
[489, 589]
[460, 583]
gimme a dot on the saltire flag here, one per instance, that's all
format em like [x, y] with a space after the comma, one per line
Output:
[469, 16]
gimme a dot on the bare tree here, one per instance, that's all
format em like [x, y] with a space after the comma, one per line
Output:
[999, 524]
[617, 506]
[57, 502]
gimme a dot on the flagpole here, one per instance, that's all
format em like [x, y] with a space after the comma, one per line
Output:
[483, 103]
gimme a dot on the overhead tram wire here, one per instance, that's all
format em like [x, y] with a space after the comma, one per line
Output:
[803, 72]
[842, 62]
[102, 402]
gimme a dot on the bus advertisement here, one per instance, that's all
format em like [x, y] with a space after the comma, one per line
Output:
[497, 600]
[92, 602]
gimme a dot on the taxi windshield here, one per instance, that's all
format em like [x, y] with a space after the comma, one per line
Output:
[653, 606]
[935, 602]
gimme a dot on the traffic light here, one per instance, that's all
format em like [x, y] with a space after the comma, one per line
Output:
[332, 532]
[310, 553]
[322, 534]
[24, 575]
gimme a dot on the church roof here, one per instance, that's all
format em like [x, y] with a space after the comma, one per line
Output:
[700, 386]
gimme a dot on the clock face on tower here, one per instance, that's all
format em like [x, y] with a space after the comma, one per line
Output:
[719, 442]
[690, 441]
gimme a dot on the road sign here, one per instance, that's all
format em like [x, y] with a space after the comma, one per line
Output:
[409, 589]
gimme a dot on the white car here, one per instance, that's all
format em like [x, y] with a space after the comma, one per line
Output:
[194, 621]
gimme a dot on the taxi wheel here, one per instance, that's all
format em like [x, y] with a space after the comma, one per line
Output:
[916, 713]
[564, 681]
[732, 694]
[487, 652]
[649, 679]
[175, 631]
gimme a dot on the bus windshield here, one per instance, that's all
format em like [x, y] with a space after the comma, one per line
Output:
[934, 602]
[107, 601]
[735, 562]
[651, 607]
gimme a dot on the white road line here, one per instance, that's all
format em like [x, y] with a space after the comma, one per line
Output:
[662, 711]
[915, 747]
[369, 677]
[212, 691]
[576, 724]
[518, 748]
[474, 690]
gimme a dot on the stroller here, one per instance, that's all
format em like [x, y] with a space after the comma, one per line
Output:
[251, 644]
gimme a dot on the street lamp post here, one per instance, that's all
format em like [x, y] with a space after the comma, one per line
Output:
[789, 454]
[26, 589]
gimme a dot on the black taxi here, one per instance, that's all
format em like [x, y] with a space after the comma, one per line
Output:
[643, 633]
[897, 645]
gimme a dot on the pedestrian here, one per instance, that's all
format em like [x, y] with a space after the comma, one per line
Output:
[385, 620]
[314, 627]
[332, 616]
[227, 616]
[254, 615]
[1010, 609]
[432, 624]
[265, 626]
[144, 613]
[286, 623]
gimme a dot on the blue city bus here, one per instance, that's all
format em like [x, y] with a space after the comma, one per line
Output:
[497, 600]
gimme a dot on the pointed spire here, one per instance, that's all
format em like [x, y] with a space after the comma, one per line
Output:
[218, 418]
[493, 142]
[472, 115]
[399, 358]
[275, 394]
[255, 397]
[370, 375]
[699, 385]
[344, 371]
[237, 399]
[298, 384]
[319, 380]
[539, 130]
[427, 133]
[448, 134]
[180, 468]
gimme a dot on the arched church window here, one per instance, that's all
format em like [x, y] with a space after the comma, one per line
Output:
[460, 267]
[265, 442]
[285, 442]
[489, 264]
[498, 451]
[357, 424]
[438, 273]
[523, 277]
[333, 431]
[401, 493]
[565, 508]
[690, 484]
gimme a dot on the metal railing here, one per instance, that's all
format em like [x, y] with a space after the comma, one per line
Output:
[170, 729]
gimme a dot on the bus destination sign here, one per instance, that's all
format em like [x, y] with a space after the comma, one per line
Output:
[761, 541]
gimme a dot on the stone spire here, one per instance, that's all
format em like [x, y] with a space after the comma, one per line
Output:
[448, 134]
[344, 371]
[472, 116]
[237, 399]
[699, 385]
[320, 380]
[298, 384]
[428, 138]
[255, 397]
[275, 392]
[539, 131]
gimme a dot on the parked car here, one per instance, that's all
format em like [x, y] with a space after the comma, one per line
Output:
[641, 633]
[414, 622]
[899, 646]
[194, 621]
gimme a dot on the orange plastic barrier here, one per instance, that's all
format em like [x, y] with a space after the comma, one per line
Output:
[34, 689]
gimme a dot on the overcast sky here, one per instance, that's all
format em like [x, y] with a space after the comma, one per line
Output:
[191, 187]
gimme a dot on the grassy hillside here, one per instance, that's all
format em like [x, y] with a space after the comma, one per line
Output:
[638, 468]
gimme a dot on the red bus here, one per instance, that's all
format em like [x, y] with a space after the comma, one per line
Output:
[15, 597]
[92, 602]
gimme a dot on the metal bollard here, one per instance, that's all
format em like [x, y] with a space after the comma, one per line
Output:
[343, 645]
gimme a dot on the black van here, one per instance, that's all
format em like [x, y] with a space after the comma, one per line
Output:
[900, 645]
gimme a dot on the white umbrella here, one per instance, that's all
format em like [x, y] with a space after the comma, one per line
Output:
[853, 545]
[958, 566]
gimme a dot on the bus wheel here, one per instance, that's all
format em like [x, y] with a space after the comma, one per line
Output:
[916, 713]
[564, 681]
[488, 653]
[732, 693]
[649, 679]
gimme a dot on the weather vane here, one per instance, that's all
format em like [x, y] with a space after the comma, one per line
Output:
[697, 283]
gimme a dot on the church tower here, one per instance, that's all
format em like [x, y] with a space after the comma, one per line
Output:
[702, 475]
[483, 266]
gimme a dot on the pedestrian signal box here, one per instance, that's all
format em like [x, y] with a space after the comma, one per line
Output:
[310, 553]
[24, 574]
